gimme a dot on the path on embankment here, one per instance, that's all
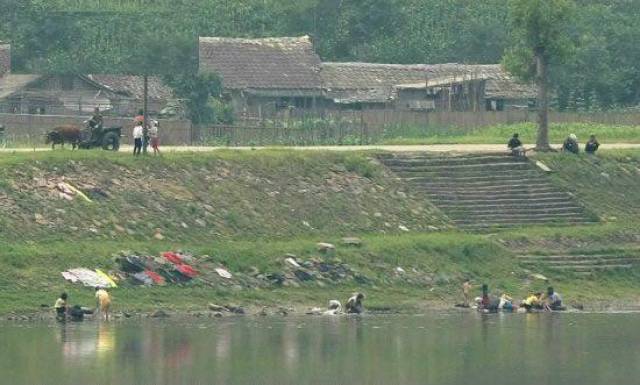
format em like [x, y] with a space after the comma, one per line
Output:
[460, 148]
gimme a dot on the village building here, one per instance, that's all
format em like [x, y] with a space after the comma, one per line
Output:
[118, 95]
[447, 87]
[264, 77]
[284, 77]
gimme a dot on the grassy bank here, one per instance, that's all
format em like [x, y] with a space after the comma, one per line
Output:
[501, 134]
[248, 210]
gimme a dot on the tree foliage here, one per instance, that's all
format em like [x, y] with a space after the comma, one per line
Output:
[540, 41]
[602, 70]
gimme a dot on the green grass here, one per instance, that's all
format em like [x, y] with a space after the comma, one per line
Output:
[249, 227]
[501, 134]
[30, 274]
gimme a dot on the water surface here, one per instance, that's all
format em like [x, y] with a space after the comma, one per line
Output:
[456, 348]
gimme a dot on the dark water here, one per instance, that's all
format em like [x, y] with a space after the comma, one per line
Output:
[456, 348]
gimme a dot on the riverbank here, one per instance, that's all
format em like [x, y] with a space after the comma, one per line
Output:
[249, 211]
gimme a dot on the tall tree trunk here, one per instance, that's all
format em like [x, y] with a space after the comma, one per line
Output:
[146, 114]
[542, 143]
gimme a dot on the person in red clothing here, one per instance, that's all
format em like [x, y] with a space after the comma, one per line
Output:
[139, 118]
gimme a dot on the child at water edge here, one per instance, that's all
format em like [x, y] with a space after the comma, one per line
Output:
[61, 306]
[103, 302]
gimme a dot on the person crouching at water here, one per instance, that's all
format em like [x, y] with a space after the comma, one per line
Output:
[487, 303]
[553, 300]
[61, 307]
[103, 302]
[354, 304]
[506, 303]
[532, 302]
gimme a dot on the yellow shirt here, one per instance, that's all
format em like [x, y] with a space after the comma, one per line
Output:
[60, 303]
[103, 297]
[532, 300]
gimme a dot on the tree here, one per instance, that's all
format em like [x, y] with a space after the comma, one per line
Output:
[540, 33]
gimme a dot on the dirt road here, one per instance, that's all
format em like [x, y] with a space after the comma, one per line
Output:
[460, 148]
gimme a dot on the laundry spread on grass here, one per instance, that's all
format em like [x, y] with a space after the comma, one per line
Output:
[169, 268]
[129, 269]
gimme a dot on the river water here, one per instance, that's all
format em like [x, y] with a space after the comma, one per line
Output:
[455, 348]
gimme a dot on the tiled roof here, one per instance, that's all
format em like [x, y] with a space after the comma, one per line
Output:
[377, 82]
[12, 83]
[286, 63]
[133, 86]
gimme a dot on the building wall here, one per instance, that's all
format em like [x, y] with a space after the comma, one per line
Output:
[62, 95]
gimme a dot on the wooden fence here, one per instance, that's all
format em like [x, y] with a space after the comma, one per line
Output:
[27, 129]
[339, 127]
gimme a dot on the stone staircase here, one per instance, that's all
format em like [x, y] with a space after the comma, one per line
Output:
[489, 191]
[580, 264]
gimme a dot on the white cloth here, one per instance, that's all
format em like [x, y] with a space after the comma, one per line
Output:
[137, 132]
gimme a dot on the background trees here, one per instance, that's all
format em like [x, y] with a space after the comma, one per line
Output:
[539, 42]
[601, 73]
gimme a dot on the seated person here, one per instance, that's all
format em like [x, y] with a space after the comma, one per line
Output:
[515, 145]
[533, 302]
[592, 145]
[506, 302]
[61, 307]
[354, 304]
[571, 144]
[488, 303]
[553, 300]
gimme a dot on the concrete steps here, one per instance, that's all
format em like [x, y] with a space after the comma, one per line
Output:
[582, 264]
[488, 192]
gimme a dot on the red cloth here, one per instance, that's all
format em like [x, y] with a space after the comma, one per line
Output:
[173, 258]
[157, 278]
[187, 270]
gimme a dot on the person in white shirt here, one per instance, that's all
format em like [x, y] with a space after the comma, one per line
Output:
[137, 138]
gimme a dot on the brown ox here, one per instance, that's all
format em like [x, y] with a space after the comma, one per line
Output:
[61, 134]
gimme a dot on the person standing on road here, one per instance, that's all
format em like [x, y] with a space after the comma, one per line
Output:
[155, 139]
[138, 133]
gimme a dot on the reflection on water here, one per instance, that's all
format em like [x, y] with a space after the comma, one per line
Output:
[458, 348]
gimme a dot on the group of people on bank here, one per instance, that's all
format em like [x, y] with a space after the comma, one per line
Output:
[76, 313]
[145, 134]
[570, 145]
[538, 301]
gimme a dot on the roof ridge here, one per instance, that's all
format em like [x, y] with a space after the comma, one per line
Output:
[243, 40]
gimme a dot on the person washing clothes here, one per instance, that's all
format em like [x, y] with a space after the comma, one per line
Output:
[61, 307]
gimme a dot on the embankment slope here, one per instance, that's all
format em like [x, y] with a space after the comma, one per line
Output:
[247, 210]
